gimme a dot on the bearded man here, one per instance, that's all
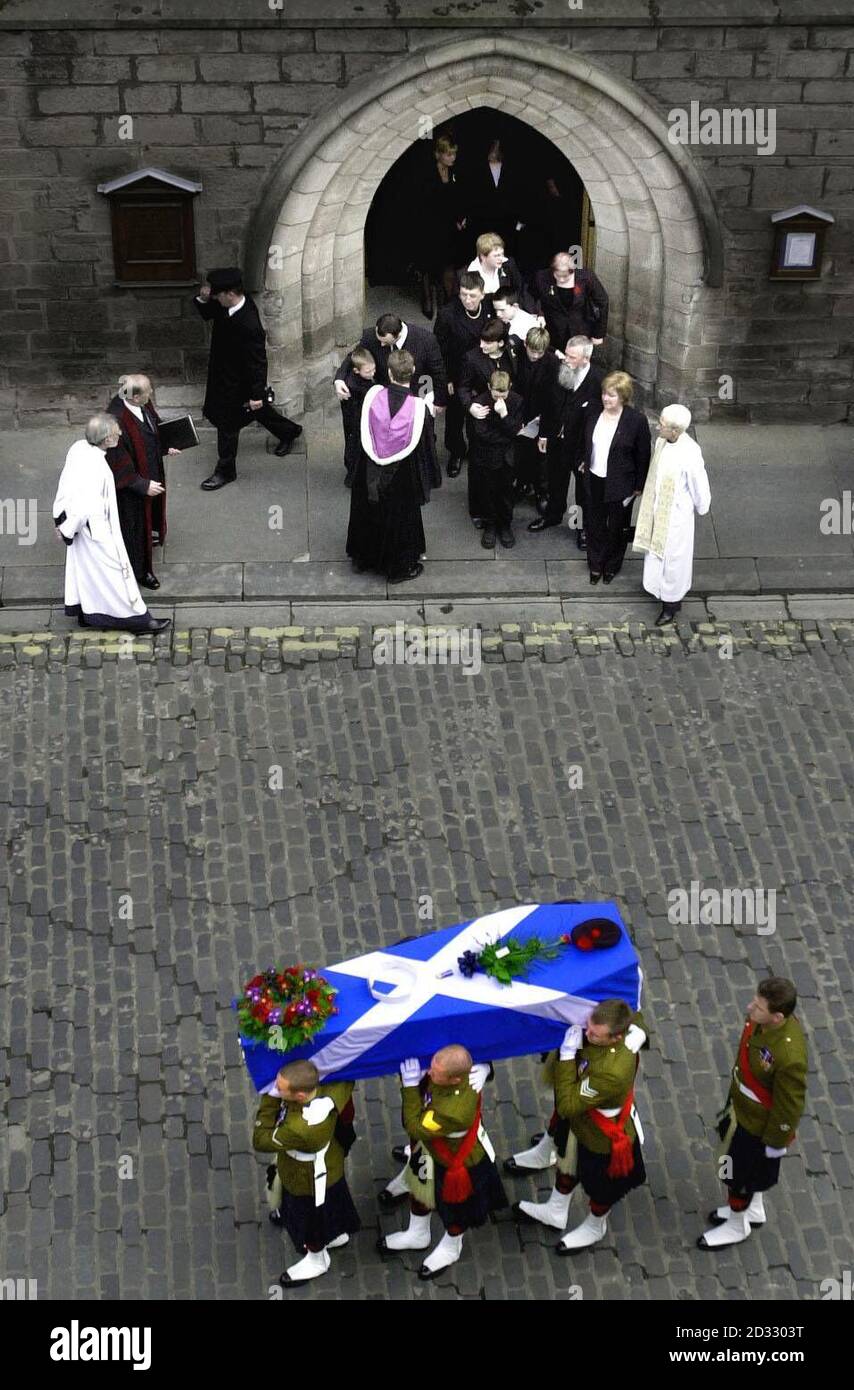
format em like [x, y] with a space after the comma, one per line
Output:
[575, 397]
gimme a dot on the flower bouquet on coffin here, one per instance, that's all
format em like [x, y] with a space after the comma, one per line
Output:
[508, 958]
[284, 1009]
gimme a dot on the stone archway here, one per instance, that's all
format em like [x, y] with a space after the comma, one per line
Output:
[659, 246]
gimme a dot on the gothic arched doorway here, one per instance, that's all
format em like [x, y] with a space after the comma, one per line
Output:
[305, 247]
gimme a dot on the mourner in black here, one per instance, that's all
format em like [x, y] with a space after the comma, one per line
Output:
[575, 394]
[391, 334]
[497, 194]
[617, 448]
[395, 473]
[494, 421]
[439, 229]
[458, 329]
[495, 353]
[138, 468]
[572, 302]
[237, 392]
[359, 380]
[539, 365]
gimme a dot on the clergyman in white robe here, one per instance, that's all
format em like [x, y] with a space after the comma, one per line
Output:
[100, 588]
[677, 486]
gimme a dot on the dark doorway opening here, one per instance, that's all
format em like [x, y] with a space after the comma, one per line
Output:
[544, 192]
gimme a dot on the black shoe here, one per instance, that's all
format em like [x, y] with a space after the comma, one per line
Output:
[399, 1153]
[581, 540]
[388, 1201]
[157, 624]
[608, 578]
[594, 578]
[518, 1170]
[413, 574]
[506, 537]
[149, 581]
[478, 523]
[487, 540]
[664, 618]
[284, 447]
[218, 480]
[455, 467]
[542, 523]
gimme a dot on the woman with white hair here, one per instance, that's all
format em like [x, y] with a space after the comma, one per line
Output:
[138, 469]
[100, 588]
[677, 486]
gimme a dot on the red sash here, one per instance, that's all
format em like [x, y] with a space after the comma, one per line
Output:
[763, 1095]
[622, 1156]
[457, 1186]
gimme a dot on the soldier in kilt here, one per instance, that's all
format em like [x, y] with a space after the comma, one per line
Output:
[309, 1128]
[762, 1112]
[451, 1167]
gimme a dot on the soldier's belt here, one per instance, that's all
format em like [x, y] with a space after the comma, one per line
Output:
[319, 1161]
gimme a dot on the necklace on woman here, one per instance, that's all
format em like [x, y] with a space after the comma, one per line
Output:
[473, 316]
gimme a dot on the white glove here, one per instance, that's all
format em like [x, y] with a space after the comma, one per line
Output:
[478, 1075]
[773, 1153]
[410, 1072]
[573, 1039]
[635, 1038]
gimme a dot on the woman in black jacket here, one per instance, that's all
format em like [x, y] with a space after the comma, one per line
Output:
[442, 220]
[571, 301]
[617, 448]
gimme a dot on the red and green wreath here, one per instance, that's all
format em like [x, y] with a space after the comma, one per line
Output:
[284, 1008]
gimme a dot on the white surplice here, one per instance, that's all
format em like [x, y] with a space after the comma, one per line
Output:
[668, 576]
[98, 574]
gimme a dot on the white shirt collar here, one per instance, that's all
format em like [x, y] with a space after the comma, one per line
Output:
[234, 308]
[582, 374]
[399, 341]
[134, 409]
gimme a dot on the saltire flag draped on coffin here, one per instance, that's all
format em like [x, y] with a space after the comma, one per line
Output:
[395, 1003]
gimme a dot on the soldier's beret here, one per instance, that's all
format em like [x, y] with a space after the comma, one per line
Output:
[596, 934]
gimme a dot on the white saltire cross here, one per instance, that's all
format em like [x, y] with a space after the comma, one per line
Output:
[419, 981]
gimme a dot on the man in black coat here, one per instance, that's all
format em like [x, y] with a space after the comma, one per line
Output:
[237, 392]
[389, 335]
[458, 329]
[575, 395]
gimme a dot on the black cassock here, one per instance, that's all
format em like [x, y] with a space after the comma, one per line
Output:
[386, 533]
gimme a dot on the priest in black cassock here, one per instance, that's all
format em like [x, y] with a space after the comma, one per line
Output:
[396, 470]
[237, 392]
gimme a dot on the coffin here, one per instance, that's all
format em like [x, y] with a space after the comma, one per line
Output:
[410, 999]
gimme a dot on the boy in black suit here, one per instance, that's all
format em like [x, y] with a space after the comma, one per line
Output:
[493, 422]
[358, 380]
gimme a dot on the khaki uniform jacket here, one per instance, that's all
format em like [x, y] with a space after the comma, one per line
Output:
[451, 1109]
[599, 1078]
[778, 1060]
[281, 1126]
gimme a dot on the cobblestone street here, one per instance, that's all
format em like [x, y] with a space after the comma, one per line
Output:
[150, 870]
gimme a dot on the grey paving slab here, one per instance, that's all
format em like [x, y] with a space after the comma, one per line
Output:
[233, 614]
[24, 619]
[26, 583]
[812, 574]
[489, 612]
[831, 607]
[199, 581]
[725, 575]
[27, 535]
[778, 512]
[641, 610]
[353, 614]
[573, 577]
[764, 607]
[311, 580]
[493, 578]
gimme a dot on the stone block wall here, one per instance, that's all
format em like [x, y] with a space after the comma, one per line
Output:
[220, 96]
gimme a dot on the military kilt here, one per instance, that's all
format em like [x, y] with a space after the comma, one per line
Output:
[593, 1175]
[487, 1195]
[312, 1227]
[751, 1170]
